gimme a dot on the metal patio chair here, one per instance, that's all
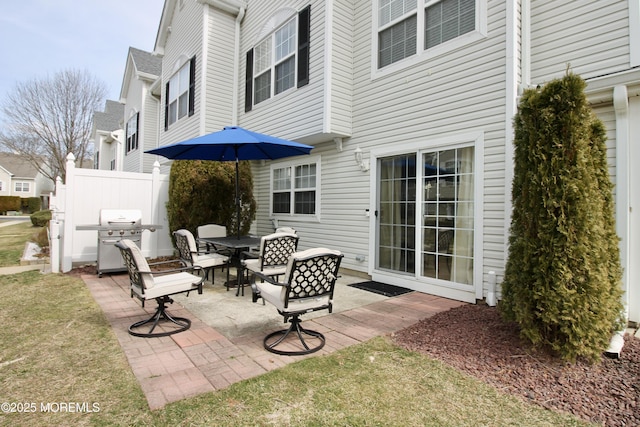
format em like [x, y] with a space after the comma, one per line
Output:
[190, 256]
[147, 284]
[308, 286]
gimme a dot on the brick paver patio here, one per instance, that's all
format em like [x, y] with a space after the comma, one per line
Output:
[202, 360]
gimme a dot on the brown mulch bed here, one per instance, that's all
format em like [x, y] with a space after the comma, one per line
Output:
[474, 339]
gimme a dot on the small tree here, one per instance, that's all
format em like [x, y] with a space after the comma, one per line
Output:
[48, 119]
[562, 277]
[203, 192]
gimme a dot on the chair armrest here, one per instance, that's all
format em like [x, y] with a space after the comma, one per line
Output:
[170, 270]
[249, 255]
[267, 279]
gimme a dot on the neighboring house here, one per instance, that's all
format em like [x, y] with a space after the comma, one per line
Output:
[141, 107]
[409, 105]
[125, 129]
[107, 136]
[19, 178]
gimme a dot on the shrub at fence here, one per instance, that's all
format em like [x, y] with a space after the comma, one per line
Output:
[41, 218]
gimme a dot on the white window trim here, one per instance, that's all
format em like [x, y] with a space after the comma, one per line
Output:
[22, 185]
[293, 163]
[129, 135]
[182, 64]
[283, 18]
[423, 55]
[475, 139]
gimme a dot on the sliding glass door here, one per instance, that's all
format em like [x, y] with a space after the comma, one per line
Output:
[426, 214]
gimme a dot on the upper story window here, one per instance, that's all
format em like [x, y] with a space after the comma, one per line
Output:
[180, 94]
[294, 188]
[415, 28]
[132, 133]
[280, 61]
[22, 187]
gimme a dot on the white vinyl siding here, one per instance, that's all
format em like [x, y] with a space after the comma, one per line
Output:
[274, 115]
[178, 51]
[218, 93]
[591, 37]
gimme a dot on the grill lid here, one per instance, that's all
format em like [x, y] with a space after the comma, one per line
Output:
[120, 217]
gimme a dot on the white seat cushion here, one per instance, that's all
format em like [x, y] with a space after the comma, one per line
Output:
[210, 260]
[169, 284]
[276, 294]
[272, 270]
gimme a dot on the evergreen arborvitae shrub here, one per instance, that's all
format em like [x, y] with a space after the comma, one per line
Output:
[563, 273]
[203, 192]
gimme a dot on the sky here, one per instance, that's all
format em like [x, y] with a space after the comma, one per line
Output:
[39, 38]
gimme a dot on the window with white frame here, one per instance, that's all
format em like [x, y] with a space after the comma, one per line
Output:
[294, 188]
[22, 187]
[274, 63]
[280, 61]
[132, 133]
[406, 28]
[1, 186]
[180, 94]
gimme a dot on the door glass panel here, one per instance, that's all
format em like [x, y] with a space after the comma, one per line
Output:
[447, 220]
[397, 216]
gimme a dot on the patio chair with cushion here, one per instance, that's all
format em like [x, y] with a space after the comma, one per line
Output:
[274, 253]
[286, 230]
[147, 284]
[190, 256]
[308, 285]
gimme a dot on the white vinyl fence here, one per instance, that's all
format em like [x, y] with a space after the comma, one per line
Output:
[86, 191]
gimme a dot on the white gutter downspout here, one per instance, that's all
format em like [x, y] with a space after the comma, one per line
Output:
[621, 108]
[236, 68]
[512, 66]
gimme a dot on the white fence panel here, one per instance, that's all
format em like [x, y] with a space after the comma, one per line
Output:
[87, 191]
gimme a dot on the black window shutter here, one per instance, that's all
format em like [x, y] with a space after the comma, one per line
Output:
[166, 108]
[304, 34]
[137, 128]
[126, 136]
[248, 83]
[192, 86]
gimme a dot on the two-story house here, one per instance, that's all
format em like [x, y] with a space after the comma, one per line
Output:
[126, 128]
[20, 178]
[409, 105]
[106, 135]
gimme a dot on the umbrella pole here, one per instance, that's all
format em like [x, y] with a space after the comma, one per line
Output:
[237, 200]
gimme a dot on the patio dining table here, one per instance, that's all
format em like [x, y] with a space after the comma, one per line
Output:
[237, 245]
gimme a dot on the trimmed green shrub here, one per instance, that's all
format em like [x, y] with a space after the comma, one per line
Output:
[9, 203]
[562, 277]
[203, 192]
[41, 218]
[31, 204]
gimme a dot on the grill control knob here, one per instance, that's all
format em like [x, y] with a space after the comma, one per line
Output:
[133, 231]
[110, 232]
[121, 232]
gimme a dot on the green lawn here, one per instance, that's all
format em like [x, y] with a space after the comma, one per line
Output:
[57, 347]
[12, 241]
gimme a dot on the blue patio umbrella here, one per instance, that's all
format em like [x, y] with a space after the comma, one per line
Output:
[232, 143]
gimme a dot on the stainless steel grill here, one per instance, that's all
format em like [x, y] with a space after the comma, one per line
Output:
[114, 225]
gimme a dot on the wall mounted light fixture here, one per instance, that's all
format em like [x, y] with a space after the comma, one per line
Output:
[362, 164]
